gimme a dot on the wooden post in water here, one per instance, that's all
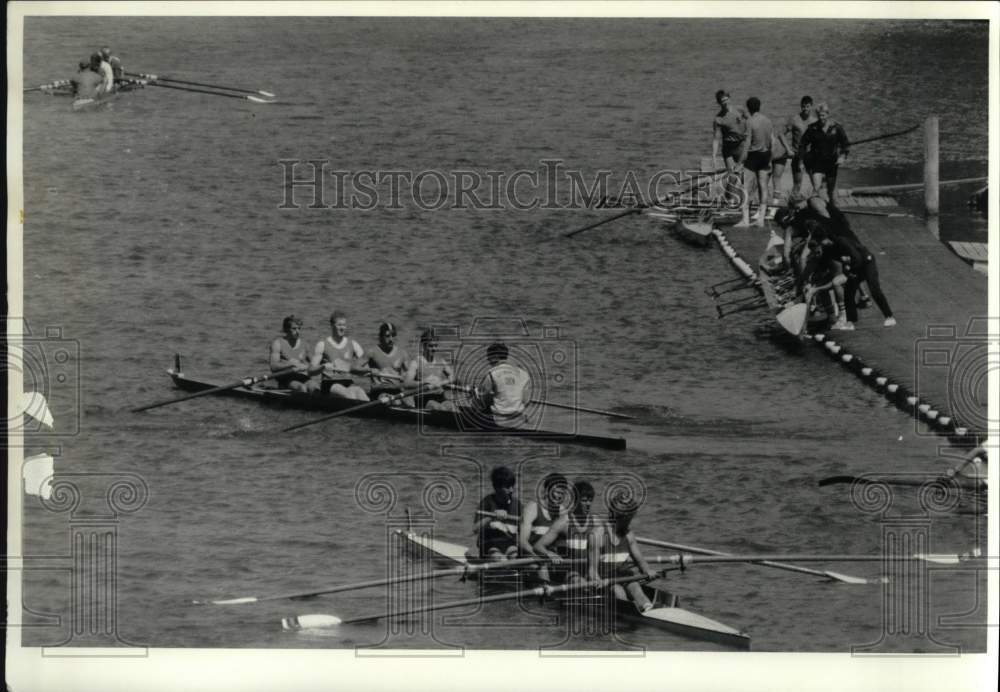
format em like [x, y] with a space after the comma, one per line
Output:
[931, 177]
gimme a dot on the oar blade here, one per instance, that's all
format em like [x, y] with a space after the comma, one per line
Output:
[310, 621]
[848, 579]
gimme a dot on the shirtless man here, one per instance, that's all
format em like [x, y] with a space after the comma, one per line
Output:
[756, 158]
[291, 351]
[339, 355]
[728, 132]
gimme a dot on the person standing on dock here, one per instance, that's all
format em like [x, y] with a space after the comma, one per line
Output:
[790, 138]
[755, 155]
[729, 129]
[339, 355]
[538, 518]
[496, 519]
[388, 362]
[503, 390]
[291, 351]
[824, 148]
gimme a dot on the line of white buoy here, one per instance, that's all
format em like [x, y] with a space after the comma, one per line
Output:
[897, 393]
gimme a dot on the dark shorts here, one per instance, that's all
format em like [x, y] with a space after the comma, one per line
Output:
[758, 161]
[781, 160]
[827, 168]
[286, 380]
[731, 150]
[326, 384]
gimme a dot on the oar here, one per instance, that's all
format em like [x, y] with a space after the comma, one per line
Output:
[885, 136]
[384, 400]
[463, 570]
[51, 85]
[836, 576]
[583, 409]
[325, 620]
[211, 86]
[635, 210]
[965, 483]
[245, 382]
[469, 390]
[885, 214]
[767, 558]
[199, 91]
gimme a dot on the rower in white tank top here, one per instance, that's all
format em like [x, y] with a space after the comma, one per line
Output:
[503, 390]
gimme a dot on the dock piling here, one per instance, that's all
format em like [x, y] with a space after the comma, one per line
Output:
[931, 177]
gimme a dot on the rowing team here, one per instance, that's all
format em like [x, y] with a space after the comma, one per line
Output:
[341, 364]
[562, 528]
[98, 75]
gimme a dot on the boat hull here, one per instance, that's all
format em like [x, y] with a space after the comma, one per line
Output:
[462, 420]
[665, 614]
[694, 232]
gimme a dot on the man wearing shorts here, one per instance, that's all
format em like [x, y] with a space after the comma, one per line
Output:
[757, 160]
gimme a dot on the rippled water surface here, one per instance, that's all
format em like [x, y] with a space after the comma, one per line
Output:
[152, 227]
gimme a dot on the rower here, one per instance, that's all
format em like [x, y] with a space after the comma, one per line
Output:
[616, 553]
[107, 73]
[429, 369]
[339, 355]
[113, 61]
[495, 521]
[502, 392]
[539, 516]
[87, 83]
[291, 351]
[575, 527]
[387, 361]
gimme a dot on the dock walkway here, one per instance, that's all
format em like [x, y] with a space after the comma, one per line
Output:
[934, 362]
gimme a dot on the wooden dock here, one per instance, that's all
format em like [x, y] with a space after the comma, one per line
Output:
[933, 363]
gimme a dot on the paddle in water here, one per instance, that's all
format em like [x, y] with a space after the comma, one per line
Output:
[157, 78]
[245, 382]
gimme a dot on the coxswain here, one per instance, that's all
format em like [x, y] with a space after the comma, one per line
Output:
[496, 520]
[340, 357]
[503, 390]
[388, 362]
[539, 516]
[290, 350]
[87, 83]
[574, 528]
[615, 553]
[431, 370]
[117, 71]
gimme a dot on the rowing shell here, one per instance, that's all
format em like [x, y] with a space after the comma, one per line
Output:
[464, 419]
[665, 614]
[85, 104]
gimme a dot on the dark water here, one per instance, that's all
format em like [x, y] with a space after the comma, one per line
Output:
[152, 227]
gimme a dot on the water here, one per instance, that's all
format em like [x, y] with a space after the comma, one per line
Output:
[152, 227]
